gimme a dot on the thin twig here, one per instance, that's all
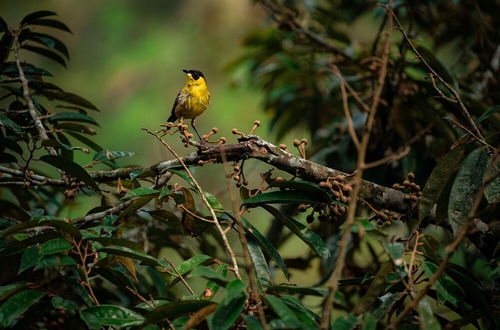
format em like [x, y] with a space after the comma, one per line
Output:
[179, 275]
[351, 211]
[205, 201]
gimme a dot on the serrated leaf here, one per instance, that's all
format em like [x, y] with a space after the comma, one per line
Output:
[128, 252]
[267, 246]
[46, 53]
[72, 116]
[55, 245]
[16, 305]
[303, 232]
[229, 309]
[440, 175]
[110, 315]
[71, 168]
[467, 183]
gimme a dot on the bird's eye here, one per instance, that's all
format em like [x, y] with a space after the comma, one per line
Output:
[195, 76]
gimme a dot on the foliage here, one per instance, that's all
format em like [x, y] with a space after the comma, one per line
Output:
[159, 251]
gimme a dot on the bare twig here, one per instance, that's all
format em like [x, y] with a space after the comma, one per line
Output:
[205, 201]
[357, 181]
[102, 214]
[179, 275]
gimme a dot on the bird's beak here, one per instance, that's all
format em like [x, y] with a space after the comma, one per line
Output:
[184, 70]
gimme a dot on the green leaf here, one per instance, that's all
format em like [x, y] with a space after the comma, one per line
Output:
[51, 23]
[61, 303]
[267, 246]
[386, 302]
[252, 323]
[446, 287]
[286, 315]
[260, 264]
[36, 15]
[488, 113]
[73, 127]
[46, 53]
[346, 322]
[142, 191]
[396, 251]
[439, 67]
[16, 305]
[11, 144]
[128, 252]
[88, 142]
[303, 232]
[109, 315]
[291, 289]
[286, 197]
[54, 246]
[175, 309]
[304, 186]
[54, 260]
[377, 287]
[229, 309]
[69, 98]
[46, 40]
[7, 158]
[369, 322]
[188, 266]
[427, 320]
[467, 183]
[117, 242]
[72, 116]
[304, 314]
[138, 203]
[42, 221]
[441, 174]
[5, 121]
[116, 277]
[183, 175]
[214, 203]
[5, 290]
[71, 168]
[492, 189]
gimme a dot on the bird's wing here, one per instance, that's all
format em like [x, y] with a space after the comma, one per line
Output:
[173, 117]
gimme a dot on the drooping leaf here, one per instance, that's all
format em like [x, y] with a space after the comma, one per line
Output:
[51, 23]
[46, 40]
[97, 317]
[128, 252]
[267, 246]
[68, 97]
[230, 307]
[71, 168]
[304, 314]
[175, 309]
[116, 277]
[444, 170]
[46, 53]
[214, 203]
[137, 203]
[260, 264]
[302, 231]
[16, 305]
[427, 320]
[72, 116]
[55, 245]
[36, 15]
[467, 183]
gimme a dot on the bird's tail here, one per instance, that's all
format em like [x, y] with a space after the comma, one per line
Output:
[171, 119]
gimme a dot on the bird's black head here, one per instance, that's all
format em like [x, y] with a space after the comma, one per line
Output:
[194, 73]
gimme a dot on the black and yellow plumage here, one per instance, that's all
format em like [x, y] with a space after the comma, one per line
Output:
[192, 100]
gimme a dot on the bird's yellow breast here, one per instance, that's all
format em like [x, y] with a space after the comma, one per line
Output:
[193, 100]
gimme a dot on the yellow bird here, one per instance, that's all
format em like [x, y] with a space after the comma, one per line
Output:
[192, 100]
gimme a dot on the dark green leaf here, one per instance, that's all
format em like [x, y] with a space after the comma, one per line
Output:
[284, 312]
[183, 175]
[7, 158]
[175, 309]
[61, 303]
[259, 263]
[267, 246]
[88, 142]
[488, 113]
[304, 314]
[46, 40]
[444, 170]
[229, 309]
[54, 260]
[214, 203]
[72, 116]
[16, 305]
[51, 23]
[291, 289]
[346, 322]
[304, 186]
[376, 288]
[128, 252]
[47, 53]
[109, 315]
[54, 246]
[492, 189]
[75, 128]
[136, 205]
[439, 67]
[447, 288]
[11, 144]
[252, 323]
[208, 273]
[386, 302]
[117, 242]
[142, 191]
[369, 322]
[467, 183]
[5, 121]
[396, 251]
[6, 290]
[286, 197]
[427, 320]
[42, 221]
[116, 277]
[303, 232]
[69, 98]
[71, 168]
[36, 15]
[106, 154]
